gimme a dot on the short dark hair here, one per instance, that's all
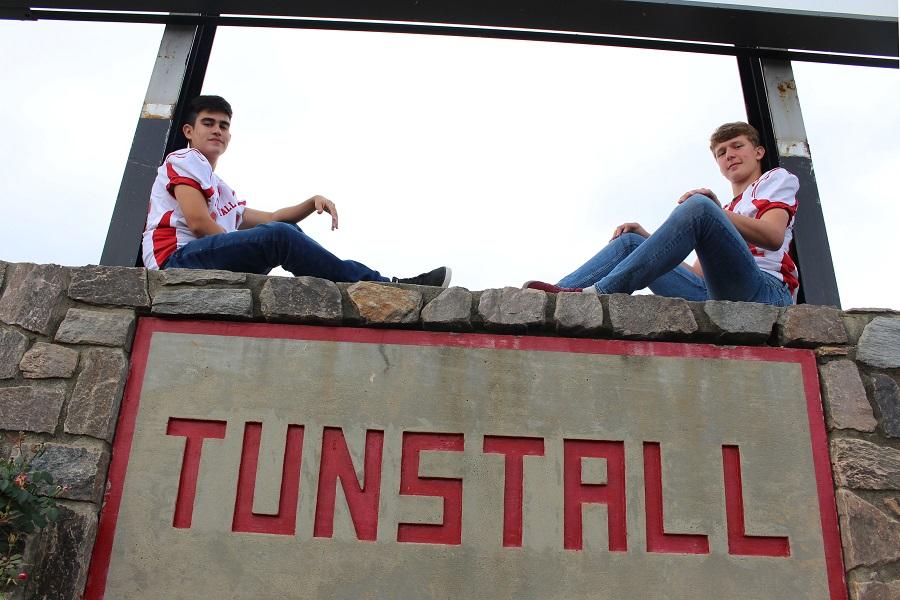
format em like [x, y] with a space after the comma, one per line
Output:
[730, 131]
[209, 103]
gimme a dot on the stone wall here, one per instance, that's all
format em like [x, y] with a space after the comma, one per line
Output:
[66, 333]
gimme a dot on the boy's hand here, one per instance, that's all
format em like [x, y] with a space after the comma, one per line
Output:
[323, 204]
[630, 228]
[703, 191]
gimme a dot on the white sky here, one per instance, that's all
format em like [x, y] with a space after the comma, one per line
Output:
[505, 160]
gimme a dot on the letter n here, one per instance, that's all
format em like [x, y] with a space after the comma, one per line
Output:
[362, 500]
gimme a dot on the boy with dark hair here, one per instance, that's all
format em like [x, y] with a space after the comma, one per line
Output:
[742, 248]
[196, 221]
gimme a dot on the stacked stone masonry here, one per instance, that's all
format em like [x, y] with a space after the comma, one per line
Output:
[66, 334]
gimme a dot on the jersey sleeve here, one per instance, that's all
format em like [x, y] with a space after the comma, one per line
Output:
[776, 189]
[189, 168]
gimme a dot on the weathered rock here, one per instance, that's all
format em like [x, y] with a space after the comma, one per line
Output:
[301, 300]
[32, 294]
[845, 397]
[869, 536]
[378, 303]
[31, 408]
[578, 314]
[81, 468]
[203, 302]
[12, 346]
[879, 344]
[859, 464]
[875, 590]
[855, 324]
[3, 264]
[650, 317]
[63, 554]
[115, 286]
[893, 505]
[806, 325]
[98, 392]
[103, 328]
[44, 361]
[829, 351]
[200, 277]
[741, 322]
[452, 309]
[513, 309]
[886, 394]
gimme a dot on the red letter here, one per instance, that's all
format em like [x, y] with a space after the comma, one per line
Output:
[195, 431]
[657, 538]
[361, 500]
[450, 530]
[285, 522]
[611, 493]
[514, 448]
[738, 541]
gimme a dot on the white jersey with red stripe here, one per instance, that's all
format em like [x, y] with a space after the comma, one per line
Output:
[774, 189]
[167, 230]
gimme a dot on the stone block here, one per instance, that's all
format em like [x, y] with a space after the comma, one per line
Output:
[383, 304]
[12, 347]
[44, 361]
[845, 397]
[886, 395]
[513, 309]
[301, 300]
[879, 345]
[741, 322]
[102, 328]
[869, 536]
[650, 317]
[875, 590]
[200, 277]
[807, 325]
[855, 324]
[31, 408]
[63, 554]
[114, 286]
[95, 400]
[452, 310]
[31, 296]
[204, 302]
[80, 467]
[578, 314]
[3, 265]
[860, 464]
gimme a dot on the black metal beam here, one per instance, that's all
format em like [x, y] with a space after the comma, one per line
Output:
[467, 31]
[733, 25]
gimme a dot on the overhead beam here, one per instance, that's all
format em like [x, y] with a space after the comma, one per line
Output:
[720, 24]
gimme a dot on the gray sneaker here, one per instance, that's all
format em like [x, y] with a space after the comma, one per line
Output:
[439, 277]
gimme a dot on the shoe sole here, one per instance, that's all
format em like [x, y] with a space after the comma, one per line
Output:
[447, 275]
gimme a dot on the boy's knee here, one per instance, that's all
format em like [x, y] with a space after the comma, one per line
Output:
[700, 202]
[280, 231]
[630, 239]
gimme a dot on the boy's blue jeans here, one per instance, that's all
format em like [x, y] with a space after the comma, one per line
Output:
[261, 248]
[631, 262]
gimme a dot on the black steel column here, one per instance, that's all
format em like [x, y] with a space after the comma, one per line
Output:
[773, 107]
[177, 77]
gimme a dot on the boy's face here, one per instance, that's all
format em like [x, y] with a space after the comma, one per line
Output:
[738, 159]
[209, 134]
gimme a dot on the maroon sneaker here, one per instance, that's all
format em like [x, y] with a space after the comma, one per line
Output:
[548, 287]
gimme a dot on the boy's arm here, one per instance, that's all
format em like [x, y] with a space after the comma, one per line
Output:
[196, 212]
[291, 214]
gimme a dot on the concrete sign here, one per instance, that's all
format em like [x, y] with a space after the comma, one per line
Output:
[280, 461]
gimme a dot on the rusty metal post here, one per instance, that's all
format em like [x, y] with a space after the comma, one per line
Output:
[818, 284]
[177, 76]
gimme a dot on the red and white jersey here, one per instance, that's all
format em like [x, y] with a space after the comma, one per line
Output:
[167, 229]
[774, 189]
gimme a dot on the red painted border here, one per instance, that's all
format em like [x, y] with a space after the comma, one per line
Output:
[96, 582]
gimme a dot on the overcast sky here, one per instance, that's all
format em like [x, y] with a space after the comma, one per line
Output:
[506, 160]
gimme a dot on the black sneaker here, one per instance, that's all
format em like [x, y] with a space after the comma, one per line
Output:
[440, 277]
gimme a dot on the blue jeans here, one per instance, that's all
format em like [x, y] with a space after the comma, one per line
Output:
[261, 248]
[631, 262]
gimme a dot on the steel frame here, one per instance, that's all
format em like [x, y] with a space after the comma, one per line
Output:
[766, 77]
